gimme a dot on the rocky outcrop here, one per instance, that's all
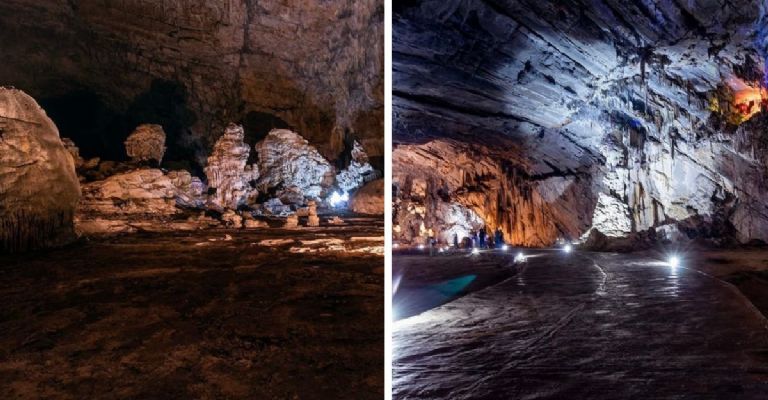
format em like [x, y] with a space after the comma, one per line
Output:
[146, 143]
[358, 172]
[229, 178]
[617, 118]
[369, 199]
[292, 169]
[39, 189]
[142, 191]
[190, 190]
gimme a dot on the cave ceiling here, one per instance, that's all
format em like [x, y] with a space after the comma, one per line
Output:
[315, 67]
[553, 77]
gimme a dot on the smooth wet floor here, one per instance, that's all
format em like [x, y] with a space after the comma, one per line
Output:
[586, 326]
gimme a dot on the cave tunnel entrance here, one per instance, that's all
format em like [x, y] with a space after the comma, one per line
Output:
[100, 129]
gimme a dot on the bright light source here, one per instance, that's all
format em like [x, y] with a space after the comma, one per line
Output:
[441, 250]
[336, 198]
[674, 261]
[421, 247]
[395, 245]
[475, 251]
[519, 257]
[567, 248]
[505, 247]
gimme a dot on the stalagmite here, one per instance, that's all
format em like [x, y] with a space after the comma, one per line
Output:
[39, 189]
[146, 143]
[229, 178]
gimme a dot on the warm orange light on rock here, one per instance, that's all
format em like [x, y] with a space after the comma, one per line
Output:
[748, 100]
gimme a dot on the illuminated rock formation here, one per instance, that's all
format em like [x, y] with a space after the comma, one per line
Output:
[229, 178]
[369, 199]
[39, 189]
[291, 168]
[146, 143]
[73, 151]
[190, 190]
[358, 172]
[561, 126]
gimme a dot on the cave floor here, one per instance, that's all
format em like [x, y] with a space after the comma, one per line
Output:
[579, 326]
[207, 314]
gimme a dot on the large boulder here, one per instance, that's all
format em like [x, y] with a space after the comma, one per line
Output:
[39, 189]
[369, 199]
[288, 163]
[146, 143]
[228, 175]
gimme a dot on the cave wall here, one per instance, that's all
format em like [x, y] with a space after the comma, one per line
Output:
[316, 67]
[646, 98]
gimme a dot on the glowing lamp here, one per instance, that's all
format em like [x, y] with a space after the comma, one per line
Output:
[505, 247]
[336, 199]
[421, 247]
[475, 251]
[567, 248]
[395, 245]
[519, 257]
[674, 261]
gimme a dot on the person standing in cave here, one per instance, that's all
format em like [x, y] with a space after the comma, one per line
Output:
[482, 238]
[455, 240]
[499, 237]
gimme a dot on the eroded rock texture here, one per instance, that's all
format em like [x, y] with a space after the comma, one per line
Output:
[291, 168]
[552, 119]
[369, 199]
[146, 143]
[195, 66]
[358, 172]
[39, 189]
[228, 174]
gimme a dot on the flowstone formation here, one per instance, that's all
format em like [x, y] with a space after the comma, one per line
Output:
[39, 189]
[229, 176]
[146, 143]
[581, 121]
[291, 168]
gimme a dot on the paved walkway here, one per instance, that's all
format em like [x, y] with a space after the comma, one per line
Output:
[587, 326]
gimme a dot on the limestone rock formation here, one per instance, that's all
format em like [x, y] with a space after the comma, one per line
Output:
[39, 189]
[142, 191]
[190, 190]
[576, 119]
[146, 143]
[358, 172]
[73, 151]
[369, 199]
[291, 168]
[312, 218]
[228, 175]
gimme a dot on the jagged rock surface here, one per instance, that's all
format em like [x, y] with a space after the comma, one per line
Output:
[146, 143]
[39, 189]
[633, 114]
[190, 190]
[369, 199]
[142, 191]
[227, 171]
[314, 66]
[358, 172]
[291, 168]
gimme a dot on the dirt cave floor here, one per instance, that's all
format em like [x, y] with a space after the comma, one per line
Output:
[263, 314]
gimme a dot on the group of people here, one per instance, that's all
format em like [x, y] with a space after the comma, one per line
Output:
[479, 239]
